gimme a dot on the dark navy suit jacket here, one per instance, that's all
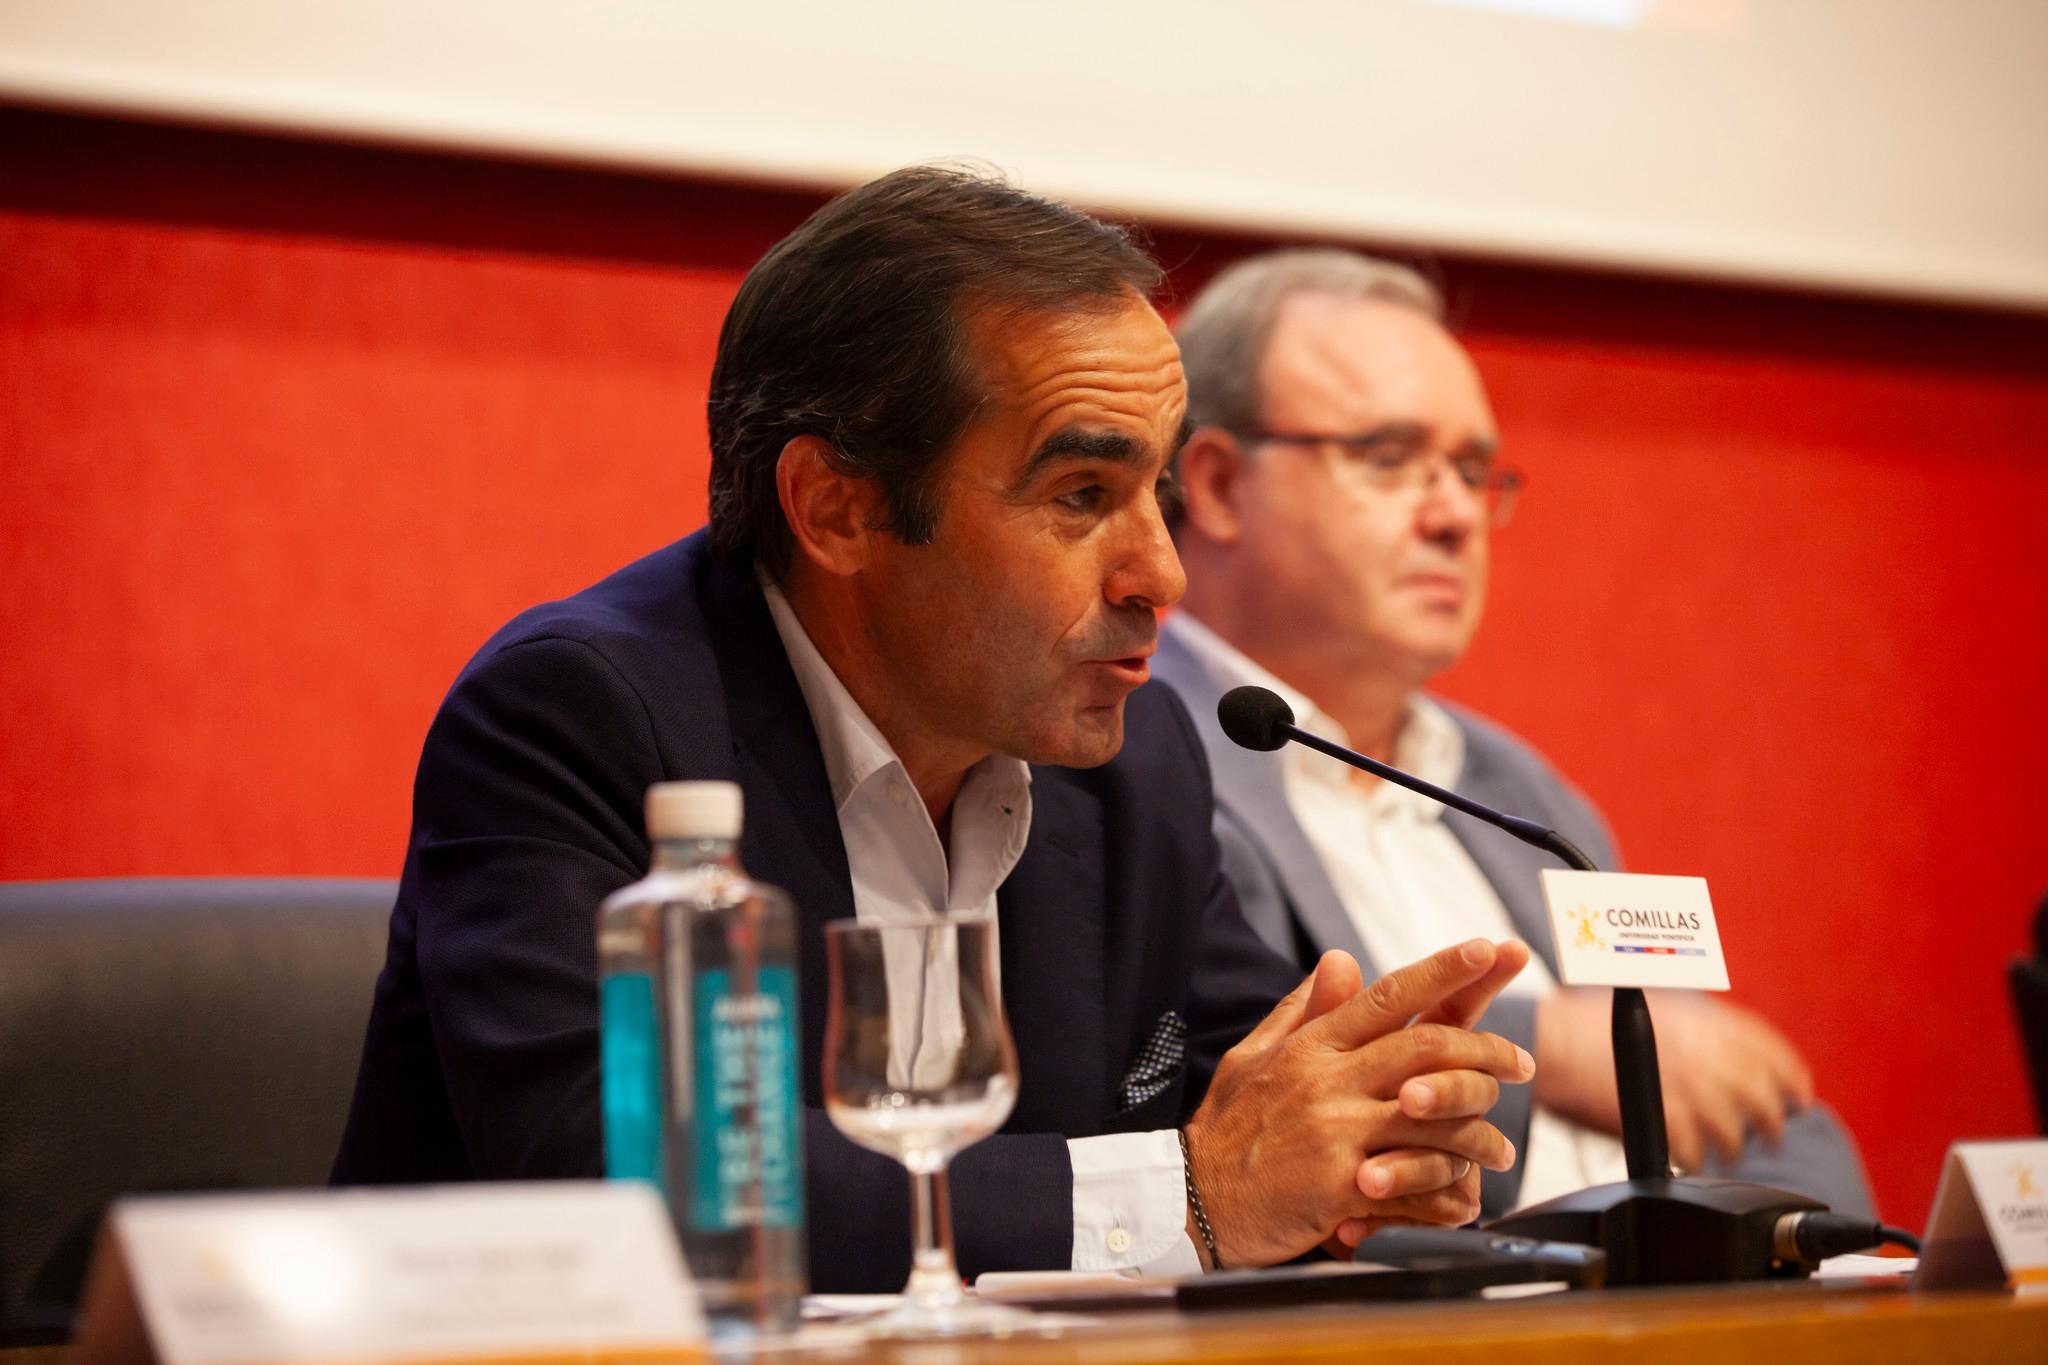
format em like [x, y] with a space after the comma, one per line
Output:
[481, 1060]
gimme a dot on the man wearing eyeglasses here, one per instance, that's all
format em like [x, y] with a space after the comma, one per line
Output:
[1340, 489]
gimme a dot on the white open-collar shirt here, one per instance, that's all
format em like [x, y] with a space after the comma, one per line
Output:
[1130, 1202]
[1407, 884]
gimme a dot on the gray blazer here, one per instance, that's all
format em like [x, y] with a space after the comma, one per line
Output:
[1289, 900]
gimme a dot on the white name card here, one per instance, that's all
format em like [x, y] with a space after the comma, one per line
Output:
[573, 1270]
[1626, 929]
[1990, 1220]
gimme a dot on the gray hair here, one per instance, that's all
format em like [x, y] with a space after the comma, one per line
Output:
[1224, 332]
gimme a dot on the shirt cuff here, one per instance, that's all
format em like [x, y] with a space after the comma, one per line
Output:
[1131, 1204]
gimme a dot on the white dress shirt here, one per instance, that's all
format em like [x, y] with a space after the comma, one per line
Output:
[1408, 885]
[1130, 1201]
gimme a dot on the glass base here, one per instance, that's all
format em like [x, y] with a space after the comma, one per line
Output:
[962, 1317]
[935, 1305]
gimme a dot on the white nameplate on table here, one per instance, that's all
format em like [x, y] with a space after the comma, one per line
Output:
[569, 1270]
[1628, 929]
[1990, 1220]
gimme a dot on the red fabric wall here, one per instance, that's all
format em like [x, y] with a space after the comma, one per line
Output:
[286, 430]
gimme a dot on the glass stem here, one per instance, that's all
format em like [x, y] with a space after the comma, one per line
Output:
[934, 1282]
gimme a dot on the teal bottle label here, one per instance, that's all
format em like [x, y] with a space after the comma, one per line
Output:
[630, 1053]
[747, 1173]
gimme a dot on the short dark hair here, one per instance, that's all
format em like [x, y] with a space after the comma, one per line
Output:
[854, 329]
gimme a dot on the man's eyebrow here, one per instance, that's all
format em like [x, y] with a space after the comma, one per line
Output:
[1074, 443]
[1417, 433]
[1395, 433]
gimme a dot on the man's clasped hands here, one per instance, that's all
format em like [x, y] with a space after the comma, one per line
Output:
[1354, 1106]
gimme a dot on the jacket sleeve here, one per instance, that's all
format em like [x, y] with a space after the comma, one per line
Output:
[527, 814]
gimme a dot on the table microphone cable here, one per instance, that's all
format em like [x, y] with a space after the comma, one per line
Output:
[1813, 1235]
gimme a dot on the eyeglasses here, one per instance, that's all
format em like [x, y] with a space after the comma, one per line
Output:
[1397, 460]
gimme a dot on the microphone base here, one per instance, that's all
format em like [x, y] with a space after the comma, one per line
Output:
[1680, 1230]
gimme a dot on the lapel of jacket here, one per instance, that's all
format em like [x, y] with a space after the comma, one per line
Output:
[790, 829]
[1250, 789]
[1051, 912]
[1505, 861]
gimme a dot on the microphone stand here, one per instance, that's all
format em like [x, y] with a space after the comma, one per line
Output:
[1656, 1228]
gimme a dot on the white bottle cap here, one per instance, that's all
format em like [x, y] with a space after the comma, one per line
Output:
[693, 810]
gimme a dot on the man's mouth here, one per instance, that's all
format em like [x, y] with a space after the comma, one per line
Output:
[1439, 586]
[1130, 669]
[1135, 668]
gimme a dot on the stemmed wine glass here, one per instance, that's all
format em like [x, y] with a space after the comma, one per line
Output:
[918, 1066]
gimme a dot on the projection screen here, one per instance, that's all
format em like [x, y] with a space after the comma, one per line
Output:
[1886, 146]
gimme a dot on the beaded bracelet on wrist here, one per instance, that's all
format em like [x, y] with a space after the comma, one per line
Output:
[1195, 1204]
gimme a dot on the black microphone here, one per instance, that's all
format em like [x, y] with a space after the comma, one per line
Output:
[1655, 1228]
[1256, 718]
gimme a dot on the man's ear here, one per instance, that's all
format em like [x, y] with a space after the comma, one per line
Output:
[1212, 466]
[831, 514]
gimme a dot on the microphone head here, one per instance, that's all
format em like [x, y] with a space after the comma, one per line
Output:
[1254, 717]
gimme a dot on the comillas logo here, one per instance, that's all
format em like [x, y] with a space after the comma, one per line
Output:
[1586, 937]
[2027, 1212]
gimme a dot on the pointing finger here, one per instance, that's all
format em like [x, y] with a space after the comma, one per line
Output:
[1466, 1007]
[1391, 1001]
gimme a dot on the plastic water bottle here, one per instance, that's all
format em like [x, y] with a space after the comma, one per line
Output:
[729, 1153]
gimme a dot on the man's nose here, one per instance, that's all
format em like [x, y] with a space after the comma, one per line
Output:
[1450, 510]
[1148, 572]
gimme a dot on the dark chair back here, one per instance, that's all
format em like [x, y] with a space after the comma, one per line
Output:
[167, 1034]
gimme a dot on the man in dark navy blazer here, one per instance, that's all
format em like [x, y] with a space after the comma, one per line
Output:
[941, 421]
